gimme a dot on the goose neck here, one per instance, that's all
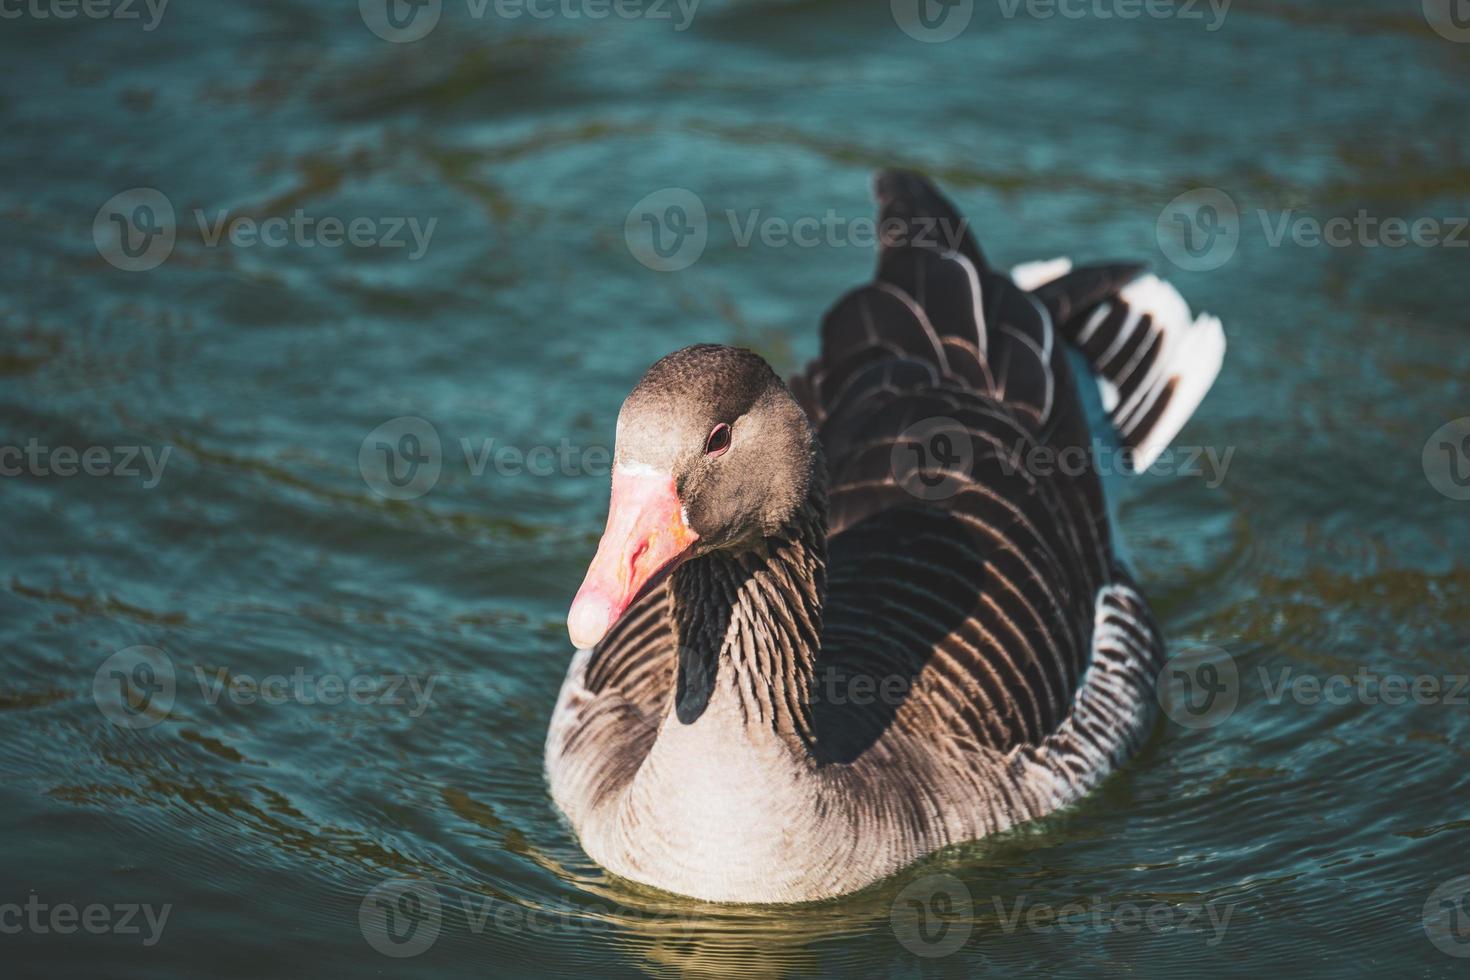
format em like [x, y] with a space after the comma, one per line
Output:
[748, 624]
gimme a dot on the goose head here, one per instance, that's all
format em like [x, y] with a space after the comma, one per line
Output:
[712, 455]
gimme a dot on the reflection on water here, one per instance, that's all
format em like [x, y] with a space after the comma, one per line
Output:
[230, 369]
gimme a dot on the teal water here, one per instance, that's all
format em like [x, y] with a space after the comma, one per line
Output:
[1294, 834]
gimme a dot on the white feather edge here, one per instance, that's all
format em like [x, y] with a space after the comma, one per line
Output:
[1194, 350]
[1034, 275]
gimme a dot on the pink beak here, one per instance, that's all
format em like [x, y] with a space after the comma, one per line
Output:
[646, 537]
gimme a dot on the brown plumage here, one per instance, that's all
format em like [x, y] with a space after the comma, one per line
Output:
[890, 633]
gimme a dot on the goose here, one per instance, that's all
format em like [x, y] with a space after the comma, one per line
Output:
[836, 625]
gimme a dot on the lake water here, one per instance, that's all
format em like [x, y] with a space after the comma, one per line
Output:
[235, 525]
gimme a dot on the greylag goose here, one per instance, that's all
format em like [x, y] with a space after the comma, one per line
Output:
[833, 627]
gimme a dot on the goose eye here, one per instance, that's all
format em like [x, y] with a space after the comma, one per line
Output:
[718, 441]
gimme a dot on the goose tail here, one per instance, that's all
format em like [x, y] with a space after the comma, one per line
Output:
[1153, 360]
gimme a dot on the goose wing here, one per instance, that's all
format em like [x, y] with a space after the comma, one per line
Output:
[971, 546]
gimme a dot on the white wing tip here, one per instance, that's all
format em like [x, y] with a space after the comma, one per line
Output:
[1034, 275]
[1195, 359]
[1155, 296]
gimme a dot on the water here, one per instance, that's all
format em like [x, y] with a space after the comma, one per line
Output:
[1317, 831]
